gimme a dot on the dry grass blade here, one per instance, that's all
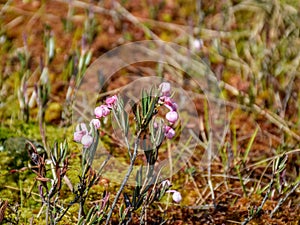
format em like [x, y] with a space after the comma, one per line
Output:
[273, 118]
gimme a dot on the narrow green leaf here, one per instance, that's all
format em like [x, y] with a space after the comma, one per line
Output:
[138, 116]
[144, 103]
[250, 145]
[89, 215]
[121, 211]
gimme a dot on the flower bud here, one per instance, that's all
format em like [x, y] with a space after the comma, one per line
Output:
[165, 88]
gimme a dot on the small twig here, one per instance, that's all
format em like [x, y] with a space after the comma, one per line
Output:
[247, 220]
[282, 200]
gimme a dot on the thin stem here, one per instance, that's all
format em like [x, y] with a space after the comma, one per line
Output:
[237, 167]
[143, 216]
[136, 144]
[47, 211]
[81, 210]
[209, 170]
[63, 214]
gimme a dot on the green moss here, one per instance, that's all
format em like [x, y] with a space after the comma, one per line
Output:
[53, 112]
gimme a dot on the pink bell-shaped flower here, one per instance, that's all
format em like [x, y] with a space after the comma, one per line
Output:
[176, 196]
[165, 88]
[87, 140]
[101, 111]
[169, 132]
[95, 123]
[111, 101]
[170, 104]
[172, 116]
[166, 183]
[81, 130]
[78, 135]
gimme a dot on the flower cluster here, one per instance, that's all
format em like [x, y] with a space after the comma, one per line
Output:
[172, 115]
[82, 134]
[104, 110]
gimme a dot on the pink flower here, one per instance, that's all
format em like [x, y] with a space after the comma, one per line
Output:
[176, 196]
[165, 88]
[101, 111]
[197, 44]
[172, 116]
[81, 130]
[166, 183]
[111, 101]
[168, 102]
[87, 140]
[78, 135]
[95, 123]
[82, 127]
[169, 132]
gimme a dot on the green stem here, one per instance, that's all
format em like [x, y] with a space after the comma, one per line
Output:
[237, 167]
[136, 144]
